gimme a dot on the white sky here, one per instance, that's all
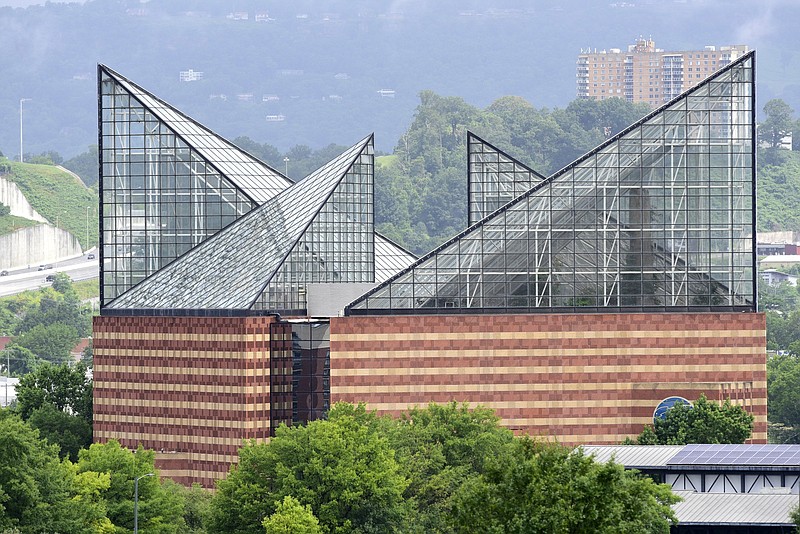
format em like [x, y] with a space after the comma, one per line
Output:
[26, 3]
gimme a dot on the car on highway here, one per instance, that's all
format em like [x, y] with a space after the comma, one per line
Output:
[3, 273]
[90, 256]
[45, 267]
[50, 278]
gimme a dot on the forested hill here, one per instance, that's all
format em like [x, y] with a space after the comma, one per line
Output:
[333, 71]
[778, 190]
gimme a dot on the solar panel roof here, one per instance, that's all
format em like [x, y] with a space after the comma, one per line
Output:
[773, 455]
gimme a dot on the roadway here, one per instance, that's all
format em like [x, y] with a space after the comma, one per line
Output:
[19, 280]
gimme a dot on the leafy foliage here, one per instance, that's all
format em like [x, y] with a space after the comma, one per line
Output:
[39, 493]
[57, 400]
[440, 469]
[783, 393]
[440, 447]
[48, 324]
[704, 422]
[778, 190]
[70, 432]
[66, 388]
[547, 488]
[778, 123]
[160, 511]
[85, 165]
[291, 517]
[341, 467]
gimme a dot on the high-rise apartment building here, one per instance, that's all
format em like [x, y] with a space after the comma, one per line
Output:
[648, 74]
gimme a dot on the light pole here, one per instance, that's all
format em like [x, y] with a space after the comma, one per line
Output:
[286, 166]
[8, 373]
[136, 501]
[21, 153]
[87, 227]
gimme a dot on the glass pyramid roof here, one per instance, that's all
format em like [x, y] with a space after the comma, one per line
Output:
[257, 179]
[287, 241]
[169, 183]
[494, 178]
[659, 217]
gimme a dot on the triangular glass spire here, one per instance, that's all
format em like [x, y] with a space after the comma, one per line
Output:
[659, 217]
[493, 178]
[168, 183]
[255, 178]
[318, 230]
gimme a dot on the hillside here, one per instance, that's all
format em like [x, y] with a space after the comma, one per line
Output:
[59, 197]
[778, 190]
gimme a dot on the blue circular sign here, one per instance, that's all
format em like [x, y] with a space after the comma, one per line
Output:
[665, 405]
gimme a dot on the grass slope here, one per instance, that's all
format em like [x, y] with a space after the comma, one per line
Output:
[58, 197]
[12, 223]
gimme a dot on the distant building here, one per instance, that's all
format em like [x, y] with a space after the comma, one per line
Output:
[774, 277]
[776, 249]
[190, 75]
[782, 261]
[648, 74]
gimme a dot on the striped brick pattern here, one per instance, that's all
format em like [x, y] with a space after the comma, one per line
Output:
[192, 388]
[591, 378]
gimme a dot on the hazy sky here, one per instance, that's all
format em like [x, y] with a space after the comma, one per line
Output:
[26, 3]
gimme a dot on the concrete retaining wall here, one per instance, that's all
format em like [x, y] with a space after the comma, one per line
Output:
[11, 195]
[36, 245]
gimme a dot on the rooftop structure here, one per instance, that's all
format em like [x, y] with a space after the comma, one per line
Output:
[659, 217]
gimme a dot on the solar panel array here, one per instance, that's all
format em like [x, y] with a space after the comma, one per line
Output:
[776, 455]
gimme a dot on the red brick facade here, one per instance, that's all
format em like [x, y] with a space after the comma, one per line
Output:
[192, 388]
[588, 378]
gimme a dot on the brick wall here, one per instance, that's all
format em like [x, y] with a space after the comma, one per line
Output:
[192, 388]
[579, 378]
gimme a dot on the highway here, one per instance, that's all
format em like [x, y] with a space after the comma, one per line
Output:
[19, 280]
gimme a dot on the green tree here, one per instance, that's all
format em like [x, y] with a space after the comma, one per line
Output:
[440, 447]
[4, 210]
[160, 511]
[71, 433]
[778, 123]
[704, 422]
[50, 157]
[39, 493]
[782, 297]
[291, 517]
[67, 388]
[85, 165]
[342, 467]
[58, 306]
[57, 401]
[52, 342]
[783, 397]
[552, 489]
[196, 505]
[19, 359]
